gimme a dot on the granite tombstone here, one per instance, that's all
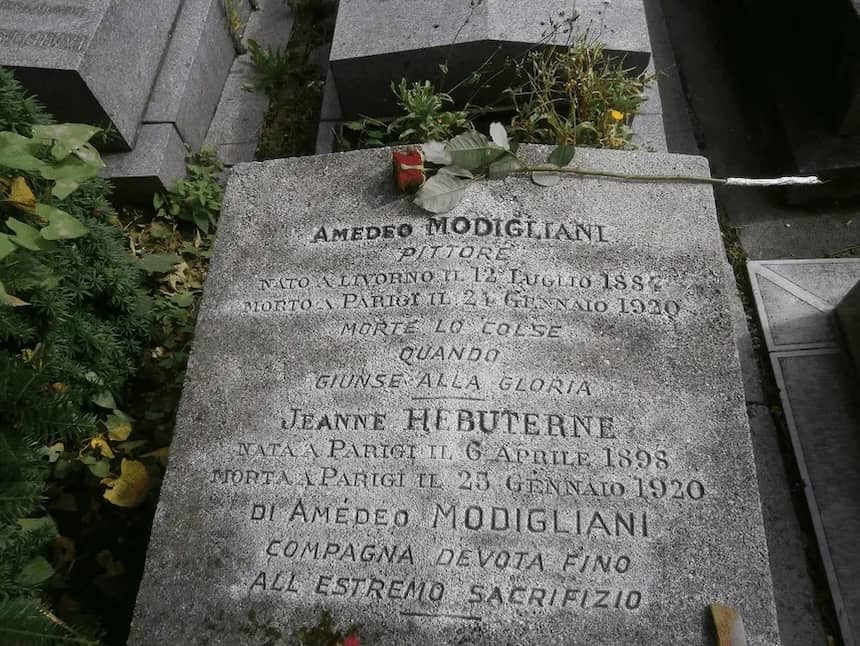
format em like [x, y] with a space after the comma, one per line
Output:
[518, 423]
[91, 61]
[377, 41]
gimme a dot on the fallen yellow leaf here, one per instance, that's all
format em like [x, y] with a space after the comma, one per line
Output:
[21, 196]
[101, 445]
[130, 489]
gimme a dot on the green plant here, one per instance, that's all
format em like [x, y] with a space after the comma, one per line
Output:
[235, 23]
[575, 95]
[197, 198]
[18, 111]
[271, 65]
[427, 115]
[73, 318]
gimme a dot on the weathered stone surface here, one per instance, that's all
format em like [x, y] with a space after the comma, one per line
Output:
[194, 71]
[796, 302]
[329, 454]
[93, 61]
[235, 128]
[376, 42]
[848, 314]
[155, 164]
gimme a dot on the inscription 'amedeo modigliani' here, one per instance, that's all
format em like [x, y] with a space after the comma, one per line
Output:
[519, 423]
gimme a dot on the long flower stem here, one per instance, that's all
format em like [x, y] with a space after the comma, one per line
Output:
[625, 176]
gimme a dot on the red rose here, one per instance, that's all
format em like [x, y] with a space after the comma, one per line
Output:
[351, 640]
[409, 176]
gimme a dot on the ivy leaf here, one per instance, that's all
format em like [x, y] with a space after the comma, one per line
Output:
[53, 452]
[38, 524]
[68, 174]
[499, 135]
[100, 468]
[6, 246]
[62, 226]
[504, 167]
[37, 571]
[21, 196]
[472, 150]
[183, 299]
[435, 153]
[130, 489]
[67, 137]
[562, 155]
[441, 193]
[19, 152]
[546, 178]
[159, 263]
[25, 235]
[119, 426]
[104, 399]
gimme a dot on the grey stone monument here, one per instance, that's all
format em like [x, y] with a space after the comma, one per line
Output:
[377, 41]
[798, 303]
[91, 61]
[521, 422]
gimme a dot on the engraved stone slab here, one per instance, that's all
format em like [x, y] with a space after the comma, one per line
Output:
[796, 302]
[377, 41]
[519, 423]
[92, 61]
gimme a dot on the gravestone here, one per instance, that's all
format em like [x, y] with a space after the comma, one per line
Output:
[377, 41]
[848, 313]
[91, 61]
[194, 71]
[521, 422]
[799, 303]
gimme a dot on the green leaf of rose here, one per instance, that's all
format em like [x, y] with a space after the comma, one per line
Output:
[441, 193]
[499, 135]
[472, 150]
[562, 155]
[546, 178]
[504, 166]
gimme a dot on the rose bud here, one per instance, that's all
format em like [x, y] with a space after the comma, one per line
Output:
[408, 169]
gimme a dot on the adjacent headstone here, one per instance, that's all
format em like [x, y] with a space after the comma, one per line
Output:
[796, 300]
[848, 313]
[92, 61]
[156, 163]
[194, 71]
[376, 42]
[518, 423]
